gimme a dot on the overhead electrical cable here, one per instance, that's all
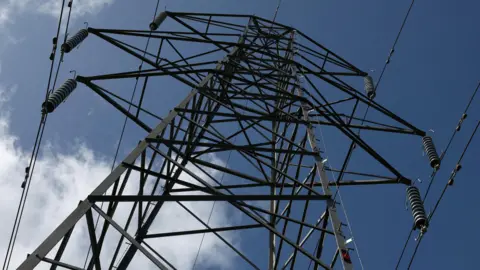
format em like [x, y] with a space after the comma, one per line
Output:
[449, 183]
[434, 173]
[455, 131]
[36, 147]
[392, 50]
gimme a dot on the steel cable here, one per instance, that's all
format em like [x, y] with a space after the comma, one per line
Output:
[434, 173]
[33, 158]
[443, 193]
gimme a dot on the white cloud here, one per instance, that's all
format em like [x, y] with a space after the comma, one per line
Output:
[80, 7]
[10, 9]
[4, 15]
[61, 179]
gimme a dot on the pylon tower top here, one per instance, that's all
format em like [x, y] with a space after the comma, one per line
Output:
[246, 132]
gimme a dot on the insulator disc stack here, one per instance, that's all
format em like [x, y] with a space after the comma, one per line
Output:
[369, 88]
[74, 41]
[158, 20]
[418, 210]
[59, 95]
[432, 154]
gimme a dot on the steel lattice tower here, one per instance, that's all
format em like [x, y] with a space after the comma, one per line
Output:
[260, 90]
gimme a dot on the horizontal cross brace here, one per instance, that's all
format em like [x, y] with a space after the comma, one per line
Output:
[233, 147]
[61, 264]
[219, 197]
[231, 228]
[290, 185]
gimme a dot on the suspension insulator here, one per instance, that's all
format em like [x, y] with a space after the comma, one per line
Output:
[369, 88]
[58, 96]
[418, 210]
[158, 20]
[74, 41]
[432, 154]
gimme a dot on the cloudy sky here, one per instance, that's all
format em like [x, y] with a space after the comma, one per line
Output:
[431, 76]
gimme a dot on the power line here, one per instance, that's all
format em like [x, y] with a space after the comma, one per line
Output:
[64, 41]
[36, 148]
[392, 50]
[434, 173]
[275, 14]
[16, 224]
[288, 156]
[455, 170]
[457, 129]
[451, 178]
[397, 38]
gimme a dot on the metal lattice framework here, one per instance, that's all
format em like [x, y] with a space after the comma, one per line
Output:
[259, 105]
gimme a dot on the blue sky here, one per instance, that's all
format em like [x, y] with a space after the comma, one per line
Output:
[428, 82]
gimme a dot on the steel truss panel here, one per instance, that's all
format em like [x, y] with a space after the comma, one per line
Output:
[261, 104]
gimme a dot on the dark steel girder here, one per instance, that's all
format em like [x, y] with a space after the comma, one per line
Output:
[221, 229]
[213, 197]
[290, 185]
[142, 232]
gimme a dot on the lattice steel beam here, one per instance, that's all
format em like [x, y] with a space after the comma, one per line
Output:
[260, 103]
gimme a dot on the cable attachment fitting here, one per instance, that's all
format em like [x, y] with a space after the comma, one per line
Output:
[74, 73]
[390, 56]
[27, 174]
[451, 181]
[460, 122]
[54, 48]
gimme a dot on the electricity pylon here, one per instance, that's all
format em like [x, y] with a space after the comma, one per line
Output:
[259, 107]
